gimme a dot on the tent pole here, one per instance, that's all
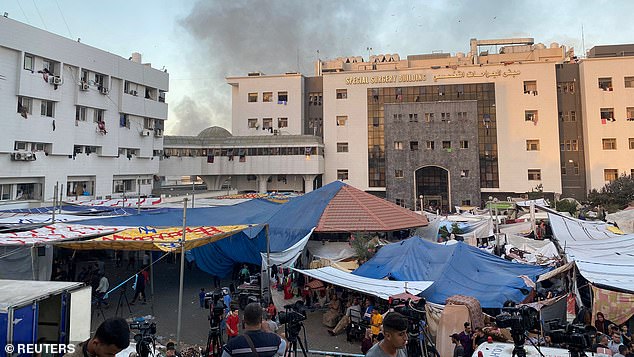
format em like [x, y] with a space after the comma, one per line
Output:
[54, 201]
[180, 290]
[268, 266]
[152, 279]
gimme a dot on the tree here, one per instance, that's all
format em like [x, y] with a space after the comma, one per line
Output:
[614, 195]
[535, 193]
[567, 205]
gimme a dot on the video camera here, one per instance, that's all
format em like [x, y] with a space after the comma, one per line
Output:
[414, 311]
[576, 337]
[216, 306]
[145, 338]
[518, 319]
[292, 318]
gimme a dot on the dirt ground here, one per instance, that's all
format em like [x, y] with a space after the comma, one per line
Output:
[163, 307]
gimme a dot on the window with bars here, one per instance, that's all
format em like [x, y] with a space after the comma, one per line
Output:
[609, 144]
[532, 145]
[610, 175]
[342, 147]
[534, 174]
[282, 122]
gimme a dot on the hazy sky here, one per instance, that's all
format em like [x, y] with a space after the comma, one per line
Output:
[202, 42]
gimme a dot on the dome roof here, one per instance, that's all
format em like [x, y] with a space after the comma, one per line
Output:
[214, 132]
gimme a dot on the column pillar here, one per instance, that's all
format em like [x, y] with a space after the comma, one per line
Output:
[308, 182]
[262, 183]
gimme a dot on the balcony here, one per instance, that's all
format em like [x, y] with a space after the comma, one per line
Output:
[33, 85]
[139, 106]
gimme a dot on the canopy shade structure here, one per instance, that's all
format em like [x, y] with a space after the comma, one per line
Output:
[376, 287]
[454, 269]
[157, 239]
[604, 258]
[54, 233]
[352, 210]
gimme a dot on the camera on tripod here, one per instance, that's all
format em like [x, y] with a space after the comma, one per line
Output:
[144, 338]
[293, 317]
[414, 311]
[518, 319]
[576, 337]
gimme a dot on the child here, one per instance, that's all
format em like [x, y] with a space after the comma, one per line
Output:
[201, 297]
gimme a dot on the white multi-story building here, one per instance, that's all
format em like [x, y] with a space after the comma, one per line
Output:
[76, 116]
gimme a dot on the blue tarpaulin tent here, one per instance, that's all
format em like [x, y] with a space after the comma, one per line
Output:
[454, 269]
[288, 223]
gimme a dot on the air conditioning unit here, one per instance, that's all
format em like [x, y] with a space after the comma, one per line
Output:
[55, 80]
[84, 86]
[16, 156]
[103, 90]
[134, 93]
[23, 156]
[145, 132]
[158, 133]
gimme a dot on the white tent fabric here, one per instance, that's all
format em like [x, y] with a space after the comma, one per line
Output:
[601, 256]
[54, 232]
[539, 202]
[377, 287]
[430, 232]
[333, 251]
[287, 257]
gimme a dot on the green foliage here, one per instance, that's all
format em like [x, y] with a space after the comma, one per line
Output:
[363, 245]
[569, 206]
[444, 233]
[614, 195]
[455, 229]
[536, 192]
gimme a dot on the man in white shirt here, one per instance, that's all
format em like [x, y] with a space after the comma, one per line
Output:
[615, 343]
[101, 290]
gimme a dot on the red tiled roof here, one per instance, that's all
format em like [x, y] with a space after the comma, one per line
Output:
[352, 210]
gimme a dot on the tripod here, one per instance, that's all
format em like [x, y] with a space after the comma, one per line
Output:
[214, 343]
[97, 300]
[293, 339]
[122, 297]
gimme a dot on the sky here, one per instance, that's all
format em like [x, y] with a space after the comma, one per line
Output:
[200, 43]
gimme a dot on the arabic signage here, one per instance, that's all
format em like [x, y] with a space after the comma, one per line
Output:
[415, 77]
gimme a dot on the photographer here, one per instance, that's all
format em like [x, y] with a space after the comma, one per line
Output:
[254, 341]
[395, 337]
[111, 337]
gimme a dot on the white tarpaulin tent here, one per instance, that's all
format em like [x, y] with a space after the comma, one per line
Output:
[624, 219]
[376, 287]
[333, 251]
[601, 256]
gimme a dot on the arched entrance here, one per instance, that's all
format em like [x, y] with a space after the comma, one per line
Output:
[432, 183]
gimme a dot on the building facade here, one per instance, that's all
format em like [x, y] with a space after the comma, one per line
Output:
[444, 130]
[76, 117]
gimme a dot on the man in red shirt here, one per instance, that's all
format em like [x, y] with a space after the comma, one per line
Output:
[232, 324]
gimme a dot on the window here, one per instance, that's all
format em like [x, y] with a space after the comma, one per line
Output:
[575, 168]
[573, 115]
[532, 145]
[607, 114]
[21, 145]
[342, 147]
[446, 144]
[530, 87]
[342, 94]
[267, 123]
[534, 174]
[605, 83]
[253, 123]
[445, 116]
[253, 97]
[124, 121]
[631, 141]
[413, 117]
[566, 87]
[121, 186]
[341, 120]
[461, 115]
[314, 98]
[25, 106]
[630, 113]
[398, 145]
[629, 82]
[49, 66]
[282, 97]
[413, 145]
[530, 115]
[464, 144]
[28, 62]
[398, 173]
[38, 146]
[399, 202]
[98, 115]
[148, 123]
[609, 144]
[610, 174]
[5, 192]
[429, 145]
[99, 79]
[342, 174]
[429, 117]
[47, 108]
[563, 169]
[464, 173]
[282, 122]
[266, 97]
[80, 113]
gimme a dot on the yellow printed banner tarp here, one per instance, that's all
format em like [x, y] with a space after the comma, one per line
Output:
[148, 238]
